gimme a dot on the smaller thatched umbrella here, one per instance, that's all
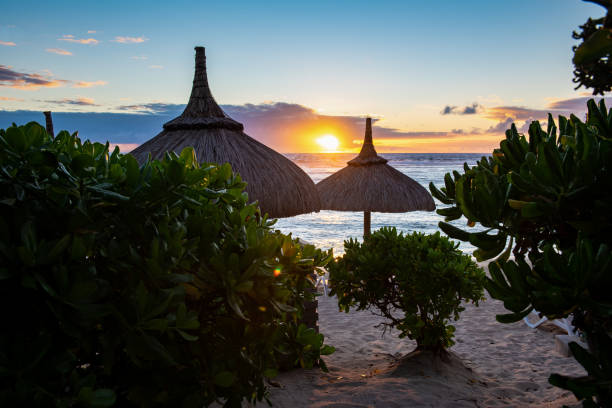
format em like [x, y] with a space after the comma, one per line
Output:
[369, 184]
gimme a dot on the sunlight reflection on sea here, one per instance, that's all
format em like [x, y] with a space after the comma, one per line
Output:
[329, 229]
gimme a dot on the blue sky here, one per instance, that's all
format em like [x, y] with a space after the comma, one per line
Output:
[403, 62]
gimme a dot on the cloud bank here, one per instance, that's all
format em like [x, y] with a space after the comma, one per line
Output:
[286, 127]
[289, 127]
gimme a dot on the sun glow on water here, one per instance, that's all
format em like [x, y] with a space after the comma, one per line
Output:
[329, 143]
[329, 229]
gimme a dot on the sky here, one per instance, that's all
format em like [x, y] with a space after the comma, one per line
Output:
[444, 76]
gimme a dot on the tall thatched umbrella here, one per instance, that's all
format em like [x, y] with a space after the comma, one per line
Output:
[369, 184]
[280, 186]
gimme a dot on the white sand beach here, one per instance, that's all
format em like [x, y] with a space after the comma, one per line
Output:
[493, 365]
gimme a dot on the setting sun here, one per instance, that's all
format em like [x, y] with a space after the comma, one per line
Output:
[328, 142]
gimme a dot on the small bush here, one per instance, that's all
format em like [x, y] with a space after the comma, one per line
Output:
[424, 277]
[153, 285]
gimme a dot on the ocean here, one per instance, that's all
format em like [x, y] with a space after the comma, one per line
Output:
[329, 229]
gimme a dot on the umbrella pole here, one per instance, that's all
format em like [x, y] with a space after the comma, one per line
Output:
[49, 123]
[366, 224]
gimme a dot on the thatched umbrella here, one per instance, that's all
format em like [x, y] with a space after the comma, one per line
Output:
[279, 185]
[369, 184]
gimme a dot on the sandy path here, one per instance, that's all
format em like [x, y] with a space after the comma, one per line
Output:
[497, 365]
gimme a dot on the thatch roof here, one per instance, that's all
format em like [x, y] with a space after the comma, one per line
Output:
[279, 185]
[368, 183]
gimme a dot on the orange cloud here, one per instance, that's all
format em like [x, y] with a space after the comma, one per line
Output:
[130, 40]
[8, 43]
[70, 38]
[29, 82]
[58, 51]
[86, 84]
[8, 98]
[514, 112]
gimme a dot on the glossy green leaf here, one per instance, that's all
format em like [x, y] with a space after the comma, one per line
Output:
[598, 45]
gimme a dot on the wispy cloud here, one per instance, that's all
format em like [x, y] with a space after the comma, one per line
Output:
[20, 80]
[152, 108]
[86, 84]
[521, 116]
[576, 104]
[78, 101]
[91, 31]
[506, 115]
[72, 39]
[500, 127]
[8, 98]
[58, 51]
[465, 110]
[156, 66]
[139, 57]
[8, 43]
[514, 112]
[130, 40]
[565, 107]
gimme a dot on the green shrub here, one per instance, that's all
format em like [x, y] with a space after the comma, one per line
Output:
[593, 56]
[140, 286]
[547, 199]
[424, 277]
